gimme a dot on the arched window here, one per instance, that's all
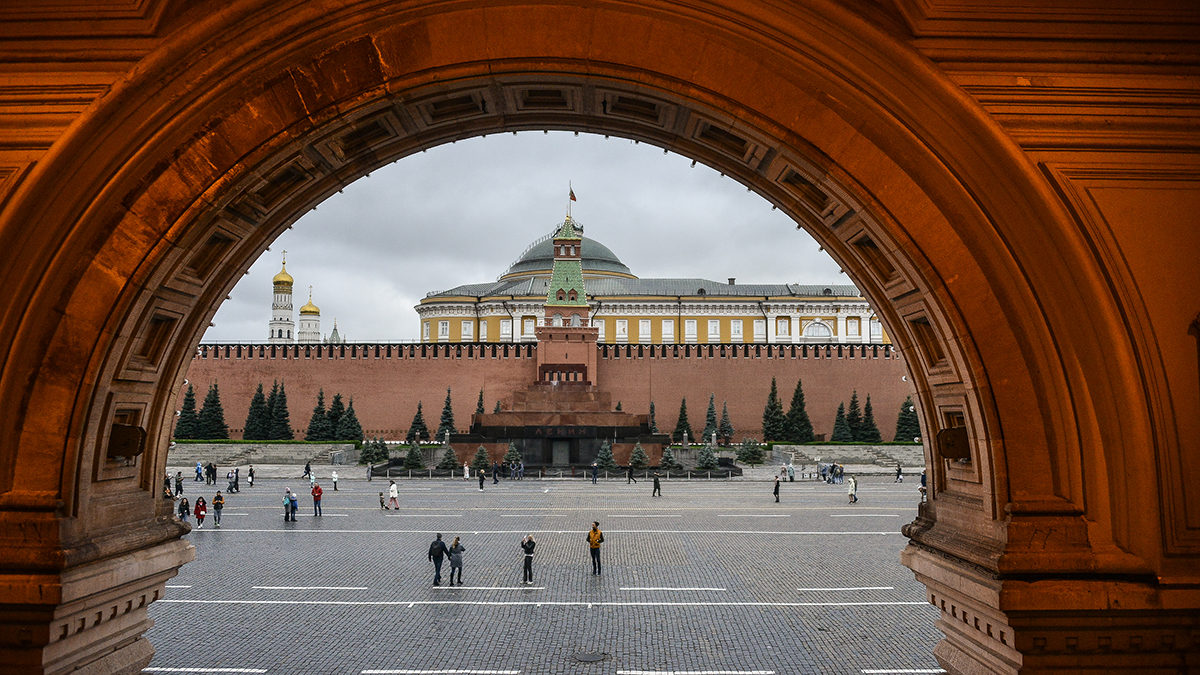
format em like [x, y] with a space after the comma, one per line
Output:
[817, 331]
[575, 323]
[556, 320]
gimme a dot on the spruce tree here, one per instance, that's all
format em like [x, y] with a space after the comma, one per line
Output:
[481, 462]
[258, 423]
[707, 460]
[335, 412]
[799, 427]
[479, 405]
[682, 426]
[750, 452]
[638, 458]
[513, 455]
[497, 408]
[447, 421]
[281, 420]
[210, 423]
[710, 418]
[653, 423]
[604, 459]
[841, 430]
[668, 461]
[417, 430]
[185, 426]
[725, 430]
[774, 421]
[348, 428]
[854, 418]
[869, 432]
[319, 429]
[415, 459]
[908, 425]
[449, 460]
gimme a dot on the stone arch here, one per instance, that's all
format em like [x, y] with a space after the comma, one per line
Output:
[167, 188]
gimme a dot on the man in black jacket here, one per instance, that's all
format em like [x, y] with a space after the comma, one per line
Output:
[437, 552]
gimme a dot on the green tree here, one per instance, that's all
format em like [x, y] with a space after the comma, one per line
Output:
[683, 428]
[374, 451]
[348, 428]
[854, 417]
[281, 420]
[668, 461]
[335, 412]
[604, 459]
[638, 458]
[319, 428]
[653, 424]
[185, 426]
[210, 423]
[479, 404]
[417, 430]
[449, 460]
[707, 461]
[447, 421]
[725, 430]
[908, 424]
[497, 408]
[841, 430]
[481, 461]
[869, 432]
[258, 422]
[799, 427]
[415, 459]
[513, 455]
[710, 418]
[774, 421]
[750, 452]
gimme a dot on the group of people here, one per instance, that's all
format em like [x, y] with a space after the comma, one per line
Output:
[291, 501]
[832, 473]
[439, 552]
[511, 470]
[200, 510]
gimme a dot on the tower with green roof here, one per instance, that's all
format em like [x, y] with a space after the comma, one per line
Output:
[567, 315]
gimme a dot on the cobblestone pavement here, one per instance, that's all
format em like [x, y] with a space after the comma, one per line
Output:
[712, 577]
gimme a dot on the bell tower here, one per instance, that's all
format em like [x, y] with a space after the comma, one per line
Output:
[281, 325]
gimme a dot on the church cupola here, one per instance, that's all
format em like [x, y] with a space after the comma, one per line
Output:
[281, 324]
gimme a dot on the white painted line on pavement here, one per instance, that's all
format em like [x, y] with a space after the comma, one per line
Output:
[203, 670]
[454, 671]
[179, 586]
[497, 603]
[490, 588]
[644, 515]
[680, 588]
[903, 670]
[855, 588]
[864, 515]
[234, 514]
[423, 515]
[310, 588]
[695, 672]
[754, 515]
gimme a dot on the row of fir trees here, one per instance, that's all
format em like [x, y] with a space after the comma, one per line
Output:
[337, 423]
[851, 425]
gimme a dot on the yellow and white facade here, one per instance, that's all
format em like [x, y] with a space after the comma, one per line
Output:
[629, 310]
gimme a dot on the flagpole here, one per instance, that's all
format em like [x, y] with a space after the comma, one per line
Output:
[570, 194]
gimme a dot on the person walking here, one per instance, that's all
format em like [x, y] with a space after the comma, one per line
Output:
[237, 479]
[370, 471]
[307, 469]
[657, 487]
[178, 483]
[595, 472]
[250, 476]
[594, 538]
[776, 491]
[791, 473]
[393, 493]
[527, 546]
[184, 509]
[482, 477]
[295, 503]
[495, 473]
[899, 474]
[852, 489]
[317, 492]
[199, 472]
[200, 511]
[466, 471]
[629, 476]
[287, 504]
[456, 552]
[218, 504]
[334, 479]
[437, 552]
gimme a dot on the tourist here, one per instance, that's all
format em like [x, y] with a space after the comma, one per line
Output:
[456, 551]
[791, 473]
[393, 493]
[184, 509]
[657, 487]
[852, 489]
[218, 504]
[776, 488]
[312, 479]
[594, 538]
[229, 481]
[250, 476]
[381, 501]
[178, 483]
[287, 504]
[317, 492]
[199, 472]
[629, 476]
[294, 498]
[437, 550]
[237, 478]
[482, 476]
[466, 471]
[527, 546]
[307, 469]
[495, 473]
[899, 474]
[200, 511]
[521, 470]
[595, 472]
[370, 471]
[334, 479]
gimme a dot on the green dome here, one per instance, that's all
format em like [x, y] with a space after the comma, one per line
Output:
[597, 260]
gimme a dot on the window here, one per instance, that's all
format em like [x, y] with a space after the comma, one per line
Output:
[714, 330]
[561, 295]
[468, 331]
[622, 330]
[644, 330]
[599, 323]
[783, 327]
[852, 327]
[760, 330]
[668, 331]
[817, 331]
[576, 322]
[529, 329]
[556, 320]
[876, 329]
[735, 331]
[483, 331]
[289, 333]
[425, 332]
[505, 329]
[443, 331]
[689, 330]
[572, 296]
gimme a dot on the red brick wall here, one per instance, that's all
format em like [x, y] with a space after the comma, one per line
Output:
[386, 390]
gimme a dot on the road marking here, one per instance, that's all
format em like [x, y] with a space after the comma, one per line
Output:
[310, 588]
[864, 515]
[903, 670]
[203, 670]
[491, 588]
[497, 603]
[179, 586]
[680, 588]
[643, 515]
[454, 671]
[424, 515]
[522, 532]
[754, 515]
[234, 514]
[854, 588]
[695, 672]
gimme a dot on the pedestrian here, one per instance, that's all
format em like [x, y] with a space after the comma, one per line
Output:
[466, 471]
[899, 474]
[594, 538]
[294, 498]
[923, 489]
[184, 509]
[218, 503]
[657, 487]
[456, 551]
[229, 481]
[287, 504]
[200, 511]
[237, 479]
[178, 483]
[791, 473]
[250, 476]
[527, 546]
[521, 470]
[776, 488]
[307, 469]
[334, 479]
[381, 502]
[852, 489]
[495, 473]
[370, 471]
[437, 550]
[629, 476]
[393, 493]
[312, 479]
[167, 494]
[317, 492]
[199, 472]
[595, 472]
[482, 476]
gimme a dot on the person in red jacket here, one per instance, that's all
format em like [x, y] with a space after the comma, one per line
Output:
[316, 494]
[201, 511]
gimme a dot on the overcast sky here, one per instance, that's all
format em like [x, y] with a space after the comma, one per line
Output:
[462, 213]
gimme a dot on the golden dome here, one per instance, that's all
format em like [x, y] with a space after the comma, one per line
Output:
[283, 277]
[309, 307]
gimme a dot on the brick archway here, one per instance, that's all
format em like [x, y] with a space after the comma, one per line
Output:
[150, 207]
